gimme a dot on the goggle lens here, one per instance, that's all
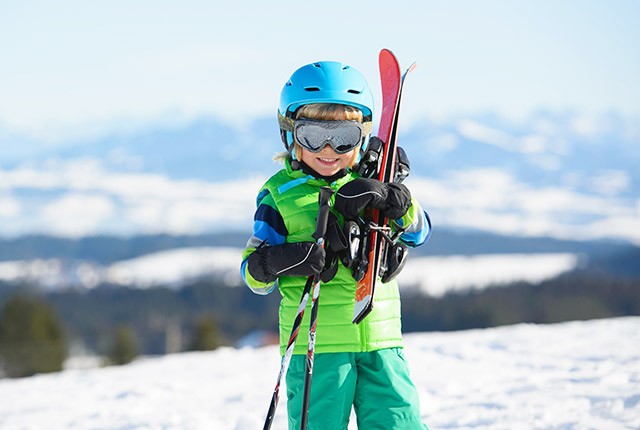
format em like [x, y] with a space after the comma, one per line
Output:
[343, 136]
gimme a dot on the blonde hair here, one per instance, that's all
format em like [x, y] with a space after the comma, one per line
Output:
[329, 112]
[325, 112]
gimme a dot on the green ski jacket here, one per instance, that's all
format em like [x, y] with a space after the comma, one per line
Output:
[287, 206]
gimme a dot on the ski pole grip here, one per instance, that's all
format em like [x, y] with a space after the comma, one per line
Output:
[324, 199]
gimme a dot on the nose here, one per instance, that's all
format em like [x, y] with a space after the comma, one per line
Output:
[325, 145]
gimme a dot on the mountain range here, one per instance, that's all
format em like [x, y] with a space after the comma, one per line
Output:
[561, 175]
[450, 261]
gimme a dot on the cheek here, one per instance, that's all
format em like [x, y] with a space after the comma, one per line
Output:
[306, 156]
[348, 159]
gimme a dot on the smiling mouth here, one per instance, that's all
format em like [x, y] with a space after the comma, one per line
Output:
[327, 160]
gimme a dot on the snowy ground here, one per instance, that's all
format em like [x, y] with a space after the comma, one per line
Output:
[579, 375]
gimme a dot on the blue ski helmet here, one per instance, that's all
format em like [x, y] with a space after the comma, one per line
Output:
[323, 82]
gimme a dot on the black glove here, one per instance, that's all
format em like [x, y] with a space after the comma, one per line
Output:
[391, 198]
[267, 263]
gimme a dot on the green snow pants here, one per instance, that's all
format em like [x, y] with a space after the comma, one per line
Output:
[376, 384]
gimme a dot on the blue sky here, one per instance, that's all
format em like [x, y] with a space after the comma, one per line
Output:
[74, 67]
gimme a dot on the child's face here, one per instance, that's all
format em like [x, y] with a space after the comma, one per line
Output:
[327, 162]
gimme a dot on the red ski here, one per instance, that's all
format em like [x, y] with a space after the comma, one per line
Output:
[392, 82]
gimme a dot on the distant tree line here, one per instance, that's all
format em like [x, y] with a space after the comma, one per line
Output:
[579, 295]
[34, 339]
[164, 319]
[120, 323]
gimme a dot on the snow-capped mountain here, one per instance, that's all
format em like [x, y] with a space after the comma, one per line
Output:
[175, 268]
[560, 175]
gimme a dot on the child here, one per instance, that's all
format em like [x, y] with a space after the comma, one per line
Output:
[325, 117]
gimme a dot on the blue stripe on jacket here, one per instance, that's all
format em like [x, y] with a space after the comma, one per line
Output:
[268, 215]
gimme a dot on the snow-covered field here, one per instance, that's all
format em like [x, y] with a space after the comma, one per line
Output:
[578, 375]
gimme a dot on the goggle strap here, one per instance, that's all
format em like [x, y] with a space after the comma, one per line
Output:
[285, 123]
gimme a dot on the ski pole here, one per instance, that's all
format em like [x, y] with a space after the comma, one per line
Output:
[319, 236]
[306, 395]
[321, 228]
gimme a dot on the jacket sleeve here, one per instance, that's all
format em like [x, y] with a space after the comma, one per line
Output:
[416, 225]
[268, 229]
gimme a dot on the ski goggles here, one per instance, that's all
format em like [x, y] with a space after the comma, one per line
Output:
[313, 135]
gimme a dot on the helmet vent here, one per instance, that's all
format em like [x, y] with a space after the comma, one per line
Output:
[354, 91]
[311, 88]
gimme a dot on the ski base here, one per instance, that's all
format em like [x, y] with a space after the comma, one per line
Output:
[362, 308]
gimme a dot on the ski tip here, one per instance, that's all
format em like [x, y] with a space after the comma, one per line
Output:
[411, 68]
[387, 53]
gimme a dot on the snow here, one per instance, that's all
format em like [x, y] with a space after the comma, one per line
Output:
[432, 275]
[437, 276]
[577, 375]
[177, 267]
